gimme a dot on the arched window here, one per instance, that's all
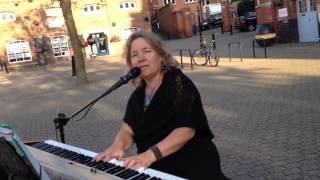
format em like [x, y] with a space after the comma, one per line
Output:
[165, 2]
[7, 17]
[128, 5]
[190, 1]
[91, 9]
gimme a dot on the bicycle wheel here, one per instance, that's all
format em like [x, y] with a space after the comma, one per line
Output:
[199, 57]
[213, 58]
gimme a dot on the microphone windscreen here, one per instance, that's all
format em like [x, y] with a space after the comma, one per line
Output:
[133, 73]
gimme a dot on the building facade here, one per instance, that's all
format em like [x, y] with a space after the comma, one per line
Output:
[183, 14]
[293, 20]
[34, 31]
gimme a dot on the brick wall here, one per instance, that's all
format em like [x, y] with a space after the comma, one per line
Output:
[179, 25]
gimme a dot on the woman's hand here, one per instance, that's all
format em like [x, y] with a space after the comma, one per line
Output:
[136, 162]
[109, 154]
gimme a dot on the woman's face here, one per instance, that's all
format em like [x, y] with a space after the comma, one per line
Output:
[146, 58]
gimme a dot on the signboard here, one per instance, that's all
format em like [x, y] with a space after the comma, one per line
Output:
[55, 22]
[53, 12]
[18, 51]
[283, 12]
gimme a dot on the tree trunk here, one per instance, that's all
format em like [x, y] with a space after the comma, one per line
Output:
[81, 75]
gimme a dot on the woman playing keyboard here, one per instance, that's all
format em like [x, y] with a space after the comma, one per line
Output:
[164, 117]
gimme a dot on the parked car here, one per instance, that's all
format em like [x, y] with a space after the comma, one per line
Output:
[248, 22]
[128, 31]
[212, 21]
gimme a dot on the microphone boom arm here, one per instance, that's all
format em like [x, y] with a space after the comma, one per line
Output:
[62, 120]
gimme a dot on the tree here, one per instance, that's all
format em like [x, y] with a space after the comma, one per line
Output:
[75, 42]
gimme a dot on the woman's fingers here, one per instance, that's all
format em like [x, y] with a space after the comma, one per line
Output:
[134, 163]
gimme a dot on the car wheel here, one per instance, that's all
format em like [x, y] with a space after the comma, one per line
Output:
[251, 27]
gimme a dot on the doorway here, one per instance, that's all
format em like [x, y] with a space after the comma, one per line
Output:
[100, 46]
[307, 21]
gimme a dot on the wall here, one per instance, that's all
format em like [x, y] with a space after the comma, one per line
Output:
[32, 22]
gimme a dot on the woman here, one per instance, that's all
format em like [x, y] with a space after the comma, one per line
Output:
[164, 117]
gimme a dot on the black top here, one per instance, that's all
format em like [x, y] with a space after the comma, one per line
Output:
[177, 103]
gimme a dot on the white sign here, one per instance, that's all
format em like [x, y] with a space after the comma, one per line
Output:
[55, 22]
[283, 12]
[54, 12]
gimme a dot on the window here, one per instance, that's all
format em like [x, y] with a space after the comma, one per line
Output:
[313, 6]
[7, 17]
[165, 2]
[91, 9]
[190, 1]
[302, 6]
[128, 5]
[18, 51]
[59, 45]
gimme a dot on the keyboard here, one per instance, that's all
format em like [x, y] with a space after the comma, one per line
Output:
[72, 162]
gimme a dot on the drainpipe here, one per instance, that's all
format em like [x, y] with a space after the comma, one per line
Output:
[275, 21]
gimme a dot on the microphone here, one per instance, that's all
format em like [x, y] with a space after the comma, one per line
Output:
[133, 73]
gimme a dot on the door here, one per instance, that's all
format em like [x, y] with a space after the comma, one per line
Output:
[100, 48]
[307, 21]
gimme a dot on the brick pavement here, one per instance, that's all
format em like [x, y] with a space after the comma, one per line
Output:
[264, 113]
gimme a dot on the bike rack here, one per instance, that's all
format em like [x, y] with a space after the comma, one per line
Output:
[181, 59]
[254, 51]
[229, 45]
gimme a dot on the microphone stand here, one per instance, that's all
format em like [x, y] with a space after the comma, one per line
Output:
[62, 120]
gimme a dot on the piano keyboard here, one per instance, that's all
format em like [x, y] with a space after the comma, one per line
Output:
[74, 156]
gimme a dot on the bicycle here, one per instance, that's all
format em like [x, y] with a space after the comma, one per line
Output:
[206, 55]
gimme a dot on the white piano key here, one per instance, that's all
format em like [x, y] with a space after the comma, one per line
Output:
[149, 171]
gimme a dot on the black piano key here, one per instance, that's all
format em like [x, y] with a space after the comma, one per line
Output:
[58, 152]
[64, 154]
[141, 176]
[84, 159]
[106, 166]
[53, 149]
[68, 154]
[76, 156]
[45, 147]
[98, 164]
[38, 145]
[116, 170]
[81, 159]
[155, 178]
[92, 163]
[128, 173]
[115, 167]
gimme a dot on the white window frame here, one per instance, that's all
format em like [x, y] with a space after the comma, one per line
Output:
[18, 51]
[122, 5]
[165, 2]
[60, 45]
[190, 1]
[7, 17]
[91, 9]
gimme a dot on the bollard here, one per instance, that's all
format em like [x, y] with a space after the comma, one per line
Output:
[5, 67]
[222, 29]
[181, 58]
[73, 64]
[231, 33]
[1, 65]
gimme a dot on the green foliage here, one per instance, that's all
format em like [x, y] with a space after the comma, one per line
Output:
[245, 6]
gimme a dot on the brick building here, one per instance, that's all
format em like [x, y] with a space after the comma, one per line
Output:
[294, 20]
[33, 31]
[183, 15]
